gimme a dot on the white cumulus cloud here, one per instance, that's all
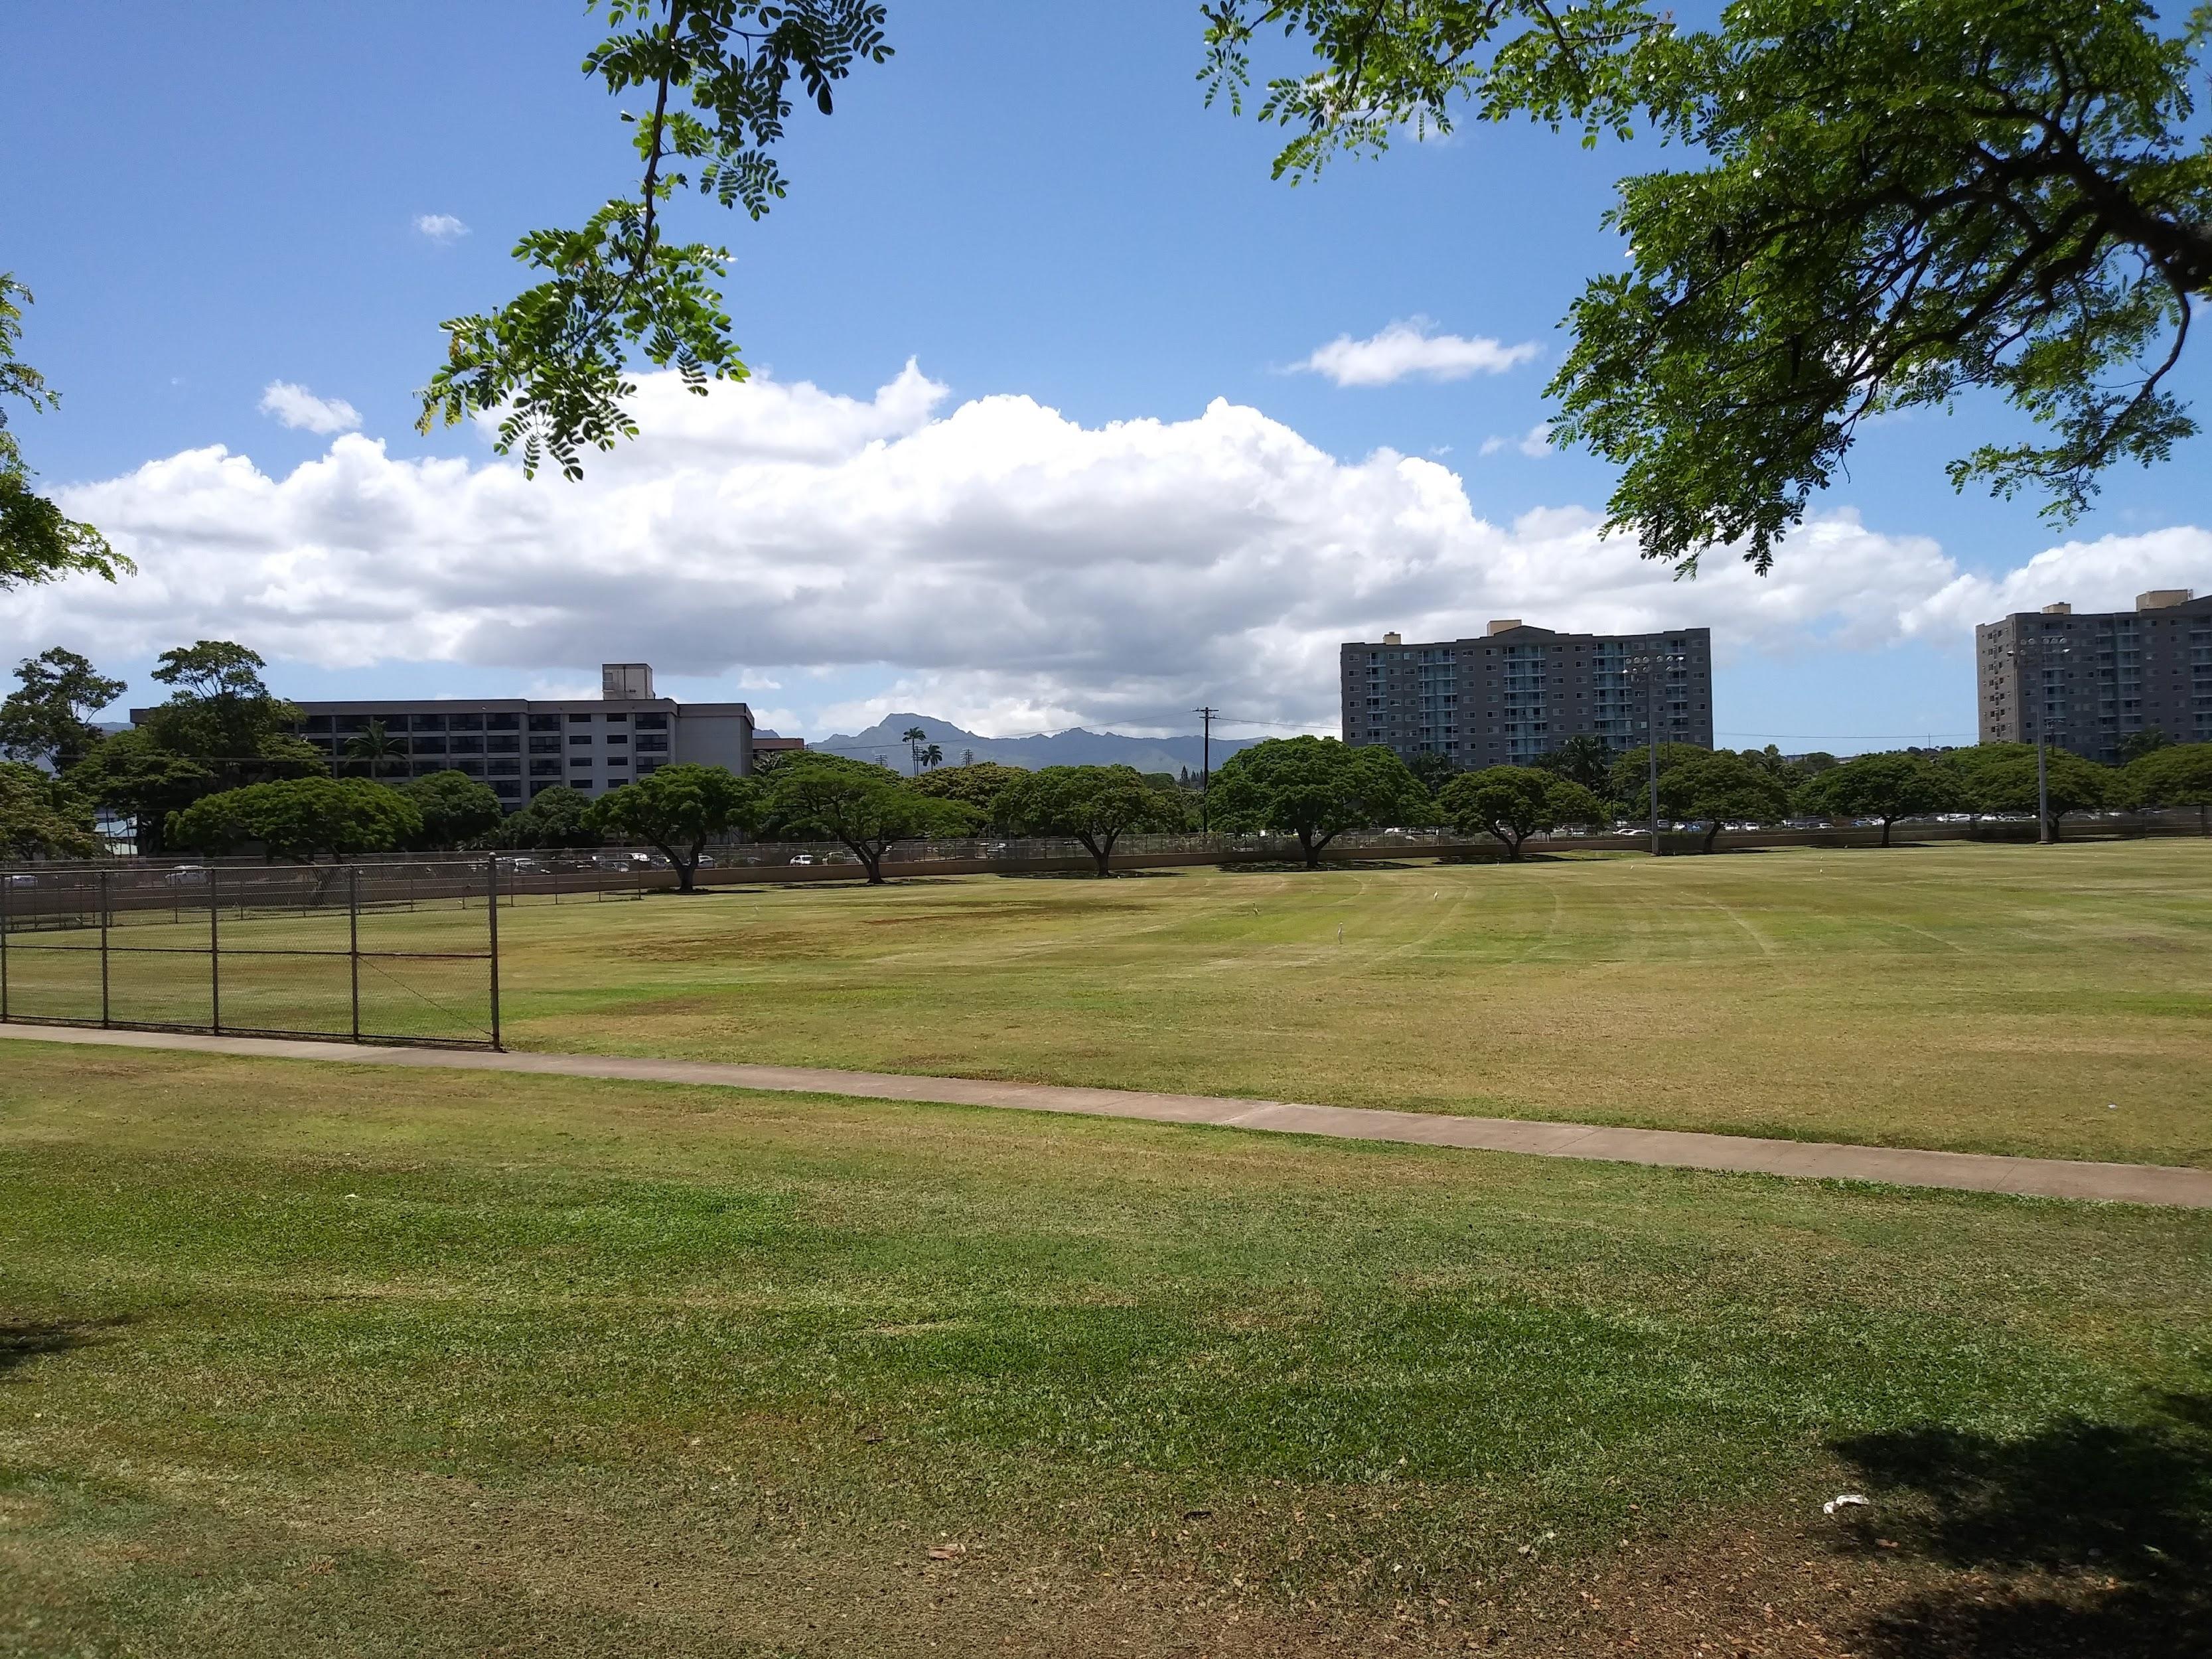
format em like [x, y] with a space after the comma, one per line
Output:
[440, 227]
[995, 561]
[1408, 348]
[1534, 443]
[297, 407]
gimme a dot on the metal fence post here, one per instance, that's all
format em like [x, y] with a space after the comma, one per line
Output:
[491, 924]
[353, 943]
[215, 954]
[7, 883]
[100, 889]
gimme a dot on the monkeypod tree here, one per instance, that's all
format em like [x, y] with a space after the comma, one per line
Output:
[299, 819]
[2175, 774]
[1720, 787]
[41, 816]
[456, 809]
[47, 717]
[1887, 787]
[1512, 803]
[869, 808]
[679, 809]
[1094, 804]
[1883, 204]
[2001, 778]
[1315, 788]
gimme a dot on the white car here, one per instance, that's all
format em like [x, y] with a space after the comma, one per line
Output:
[802, 858]
[186, 875]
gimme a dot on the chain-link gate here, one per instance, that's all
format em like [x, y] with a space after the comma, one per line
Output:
[363, 952]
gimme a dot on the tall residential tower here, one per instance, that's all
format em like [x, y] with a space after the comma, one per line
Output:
[1519, 692]
[2084, 682]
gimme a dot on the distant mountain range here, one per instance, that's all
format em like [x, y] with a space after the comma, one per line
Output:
[1074, 747]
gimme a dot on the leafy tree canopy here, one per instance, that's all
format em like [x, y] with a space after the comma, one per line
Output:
[1886, 205]
[1583, 758]
[41, 816]
[2135, 745]
[299, 818]
[132, 774]
[553, 362]
[38, 541]
[1720, 787]
[1629, 782]
[221, 714]
[556, 816]
[977, 784]
[2174, 774]
[1887, 787]
[676, 809]
[1512, 803]
[1432, 771]
[456, 809]
[866, 806]
[1315, 788]
[46, 719]
[2001, 777]
[1094, 804]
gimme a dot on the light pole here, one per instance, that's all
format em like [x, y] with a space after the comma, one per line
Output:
[1643, 668]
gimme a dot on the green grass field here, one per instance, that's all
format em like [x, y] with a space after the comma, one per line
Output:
[1991, 998]
[298, 1358]
[1982, 997]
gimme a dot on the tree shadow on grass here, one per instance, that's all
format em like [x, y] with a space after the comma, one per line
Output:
[24, 1340]
[2087, 1539]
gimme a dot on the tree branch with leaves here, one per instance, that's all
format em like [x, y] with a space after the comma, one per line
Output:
[1894, 205]
[553, 364]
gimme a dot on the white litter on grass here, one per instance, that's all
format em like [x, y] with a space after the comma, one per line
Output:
[1850, 1500]
[2114, 1106]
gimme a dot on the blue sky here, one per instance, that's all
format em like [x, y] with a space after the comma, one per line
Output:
[1030, 202]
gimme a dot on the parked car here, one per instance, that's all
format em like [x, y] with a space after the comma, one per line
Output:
[186, 875]
[802, 858]
[706, 861]
[20, 881]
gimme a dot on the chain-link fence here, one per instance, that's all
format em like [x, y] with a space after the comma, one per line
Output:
[372, 953]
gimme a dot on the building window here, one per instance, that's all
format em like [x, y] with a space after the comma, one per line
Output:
[539, 768]
[508, 791]
[545, 722]
[353, 722]
[545, 745]
[503, 768]
[650, 745]
[318, 723]
[466, 723]
[617, 718]
[584, 761]
[468, 745]
[580, 719]
[469, 768]
[653, 722]
[429, 745]
[618, 737]
[502, 722]
[503, 745]
[579, 739]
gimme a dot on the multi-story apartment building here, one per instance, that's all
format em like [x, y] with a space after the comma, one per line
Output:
[1519, 692]
[520, 746]
[2084, 682]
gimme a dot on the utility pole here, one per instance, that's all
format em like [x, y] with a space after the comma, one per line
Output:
[1206, 768]
[1645, 665]
[2043, 789]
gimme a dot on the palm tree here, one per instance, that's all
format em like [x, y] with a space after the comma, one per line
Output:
[915, 737]
[374, 746]
[932, 756]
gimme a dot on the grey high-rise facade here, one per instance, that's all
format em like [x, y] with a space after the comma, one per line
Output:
[2084, 682]
[1519, 692]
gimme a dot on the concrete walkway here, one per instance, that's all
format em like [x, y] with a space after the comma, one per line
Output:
[2043, 1178]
